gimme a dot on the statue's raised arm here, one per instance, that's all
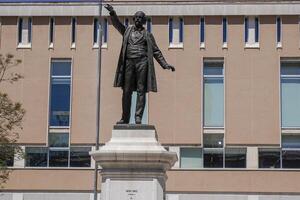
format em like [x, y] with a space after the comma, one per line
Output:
[115, 20]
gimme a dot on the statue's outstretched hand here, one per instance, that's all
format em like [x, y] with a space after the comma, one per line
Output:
[170, 67]
[109, 7]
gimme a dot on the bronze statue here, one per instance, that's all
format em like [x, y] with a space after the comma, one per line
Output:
[135, 70]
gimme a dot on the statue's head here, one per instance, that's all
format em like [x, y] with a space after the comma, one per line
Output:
[139, 18]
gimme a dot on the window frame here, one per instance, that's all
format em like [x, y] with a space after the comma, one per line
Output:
[286, 77]
[202, 32]
[278, 31]
[73, 32]
[225, 32]
[50, 92]
[252, 42]
[51, 32]
[101, 22]
[204, 77]
[28, 43]
[179, 20]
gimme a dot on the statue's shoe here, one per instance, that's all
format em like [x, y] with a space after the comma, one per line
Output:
[138, 120]
[122, 121]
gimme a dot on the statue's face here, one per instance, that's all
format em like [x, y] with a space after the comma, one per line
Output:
[139, 19]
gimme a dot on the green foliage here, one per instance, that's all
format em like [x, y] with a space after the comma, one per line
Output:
[11, 115]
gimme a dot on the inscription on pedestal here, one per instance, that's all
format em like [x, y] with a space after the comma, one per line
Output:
[131, 194]
[134, 190]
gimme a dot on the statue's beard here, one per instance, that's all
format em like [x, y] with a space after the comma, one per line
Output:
[138, 24]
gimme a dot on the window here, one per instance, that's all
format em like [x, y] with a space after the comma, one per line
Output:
[60, 92]
[290, 141]
[290, 94]
[213, 158]
[191, 158]
[290, 158]
[24, 32]
[224, 23]
[79, 157]
[73, 32]
[213, 140]
[57, 156]
[58, 140]
[235, 157]
[133, 108]
[104, 34]
[36, 156]
[278, 31]
[149, 25]
[213, 150]
[213, 93]
[252, 31]
[126, 22]
[176, 26]
[202, 32]
[269, 158]
[51, 32]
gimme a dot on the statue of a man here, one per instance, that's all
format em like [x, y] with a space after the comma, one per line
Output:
[135, 70]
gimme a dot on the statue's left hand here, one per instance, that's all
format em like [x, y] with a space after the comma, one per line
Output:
[170, 67]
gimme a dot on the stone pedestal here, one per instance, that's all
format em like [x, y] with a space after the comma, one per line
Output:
[133, 164]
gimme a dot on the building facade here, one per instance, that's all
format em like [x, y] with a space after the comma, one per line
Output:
[231, 110]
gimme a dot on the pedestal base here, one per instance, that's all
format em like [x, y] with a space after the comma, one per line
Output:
[133, 164]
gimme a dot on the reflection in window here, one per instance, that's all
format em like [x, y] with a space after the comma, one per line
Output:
[60, 92]
[269, 158]
[104, 26]
[79, 157]
[235, 158]
[213, 93]
[291, 159]
[213, 140]
[290, 94]
[36, 156]
[58, 139]
[58, 158]
[290, 141]
[213, 158]
[191, 158]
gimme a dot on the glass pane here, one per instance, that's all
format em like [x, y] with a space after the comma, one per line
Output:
[191, 158]
[213, 158]
[290, 102]
[79, 157]
[235, 158]
[213, 102]
[290, 68]
[290, 141]
[269, 158]
[36, 156]
[213, 140]
[60, 102]
[213, 68]
[290, 159]
[133, 108]
[58, 158]
[58, 139]
[61, 68]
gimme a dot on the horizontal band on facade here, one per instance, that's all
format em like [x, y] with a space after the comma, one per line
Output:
[155, 9]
